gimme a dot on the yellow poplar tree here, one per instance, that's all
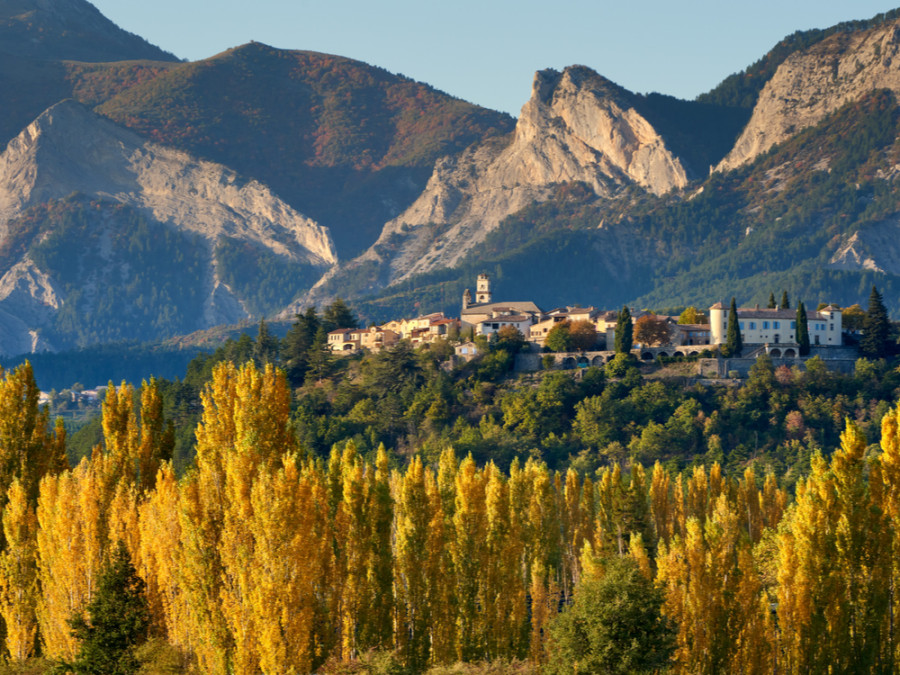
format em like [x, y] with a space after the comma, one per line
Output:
[18, 574]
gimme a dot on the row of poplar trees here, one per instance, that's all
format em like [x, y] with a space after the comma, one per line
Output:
[262, 559]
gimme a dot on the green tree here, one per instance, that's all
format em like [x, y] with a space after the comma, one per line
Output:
[691, 316]
[267, 345]
[297, 344]
[876, 327]
[733, 343]
[624, 339]
[614, 625]
[802, 335]
[785, 303]
[117, 621]
[559, 339]
[339, 315]
[772, 304]
[853, 318]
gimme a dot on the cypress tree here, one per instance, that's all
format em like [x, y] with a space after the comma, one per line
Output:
[876, 327]
[802, 330]
[785, 303]
[624, 329]
[772, 304]
[733, 343]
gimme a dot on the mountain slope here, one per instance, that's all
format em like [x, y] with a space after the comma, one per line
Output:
[74, 30]
[811, 83]
[576, 127]
[132, 184]
[347, 143]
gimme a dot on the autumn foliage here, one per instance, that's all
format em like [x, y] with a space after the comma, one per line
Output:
[265, 559]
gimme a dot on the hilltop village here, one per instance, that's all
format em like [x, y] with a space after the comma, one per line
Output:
[588, 334]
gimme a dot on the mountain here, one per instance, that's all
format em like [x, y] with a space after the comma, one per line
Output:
[56, 49]
[577, 127]
[349, 144]
[811, 83]
[92, 218]
[176, 196]
[72, 30]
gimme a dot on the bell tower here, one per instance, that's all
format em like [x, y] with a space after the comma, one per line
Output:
[483, 289]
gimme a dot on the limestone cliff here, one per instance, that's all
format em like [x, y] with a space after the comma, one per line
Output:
[812, 83]
[873, 247]
[70, 150]
[577, 126]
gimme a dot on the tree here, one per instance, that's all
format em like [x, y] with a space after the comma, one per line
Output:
[651, 330]
[267, 345]
[613, 626]
[802, 335]
[772, 304]
[691, 316]
[559, 339]
[339, 315]
[785, 303]
[733, 343]
[853, 318]
[876, 327]
[624, 332]
[297, 344]
[509, 338]
[116, 623]
[583, 335]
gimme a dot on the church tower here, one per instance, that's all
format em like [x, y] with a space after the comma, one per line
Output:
[483, 289]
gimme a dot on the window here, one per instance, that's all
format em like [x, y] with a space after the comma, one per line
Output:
[776, 325]
[793, 325]
[741, 325]
[765, 325]
[752, 325]
[832, 327]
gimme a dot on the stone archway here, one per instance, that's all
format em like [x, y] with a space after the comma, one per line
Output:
[789, 353]
[597, 361]
[678, 354]
[568, 363]
[663, 354]
[647, 356]
[775, 353]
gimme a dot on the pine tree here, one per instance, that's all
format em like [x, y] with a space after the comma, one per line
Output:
[267, 346]
[785, 303]
[117, 621]
[772, 304]
[624, 332]
[733, 343]
[802, 334]
[876, 327]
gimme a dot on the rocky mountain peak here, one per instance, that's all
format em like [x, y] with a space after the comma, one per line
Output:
[576, 127]
[812, 83]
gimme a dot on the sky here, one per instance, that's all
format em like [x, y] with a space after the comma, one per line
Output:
[487, 51]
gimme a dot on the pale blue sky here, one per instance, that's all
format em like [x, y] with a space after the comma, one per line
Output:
[487, 51]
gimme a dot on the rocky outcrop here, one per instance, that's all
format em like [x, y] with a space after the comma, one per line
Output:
[875, 247]
[68, 149]
[813, 83]
[576, 127]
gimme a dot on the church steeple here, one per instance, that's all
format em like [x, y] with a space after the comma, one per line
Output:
[483, 289]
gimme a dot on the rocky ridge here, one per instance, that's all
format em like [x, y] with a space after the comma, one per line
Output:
[576, 127]
[814, 82]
